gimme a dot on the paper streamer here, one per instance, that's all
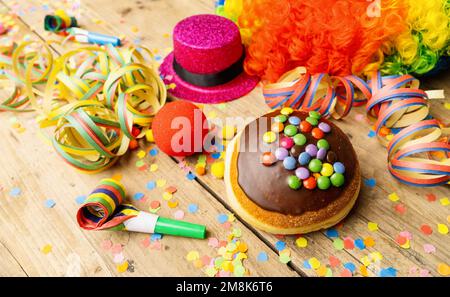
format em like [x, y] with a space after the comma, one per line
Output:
[97, 98]
[59, 22]
[104, 210]
[395, 103]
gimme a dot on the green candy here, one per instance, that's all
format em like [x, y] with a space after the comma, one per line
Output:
[314, 114]
[315, 165]
[337, 179]
[322, 143]
[290, 130]
[281, 118]
[323, 182]
[312, 121]
[299, 139]
[294, 182]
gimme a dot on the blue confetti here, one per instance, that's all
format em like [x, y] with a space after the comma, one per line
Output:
[306, 264]
[350, 266]
[50, 203]
[359, 243]
[371, 134]
[15, 192]
[153, 152]
[370, 182]
[190, 176]
[192, 208]
[155, 236]
[280, 245]
[215, 156]
[158, 57]
[138, 196]
[80, 199]
[388, 272]
[222, 218]
[151, 185]
[332, 233]
[262, 257]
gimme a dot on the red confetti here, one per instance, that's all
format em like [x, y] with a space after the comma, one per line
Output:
[426, 229]
[171, 189]
[401, 240]
[155, 204]
[400, 208]
[431, 197]
[334, 262]
[346, 273]
[348, 243]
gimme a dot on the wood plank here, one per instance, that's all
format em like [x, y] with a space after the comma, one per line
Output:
[29, 225]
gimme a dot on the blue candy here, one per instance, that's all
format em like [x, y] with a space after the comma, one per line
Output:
[304, 158]
[289, 163]
[339, 167]
[294, 120]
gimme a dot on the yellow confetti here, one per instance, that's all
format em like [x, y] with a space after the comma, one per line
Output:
[369, 241]
[407, 244]
[172, 204]
[444, 201]
[153, 167]
[393, 197]
[242, 247]
[363, 270]
[314, 263]
[210, 271]
[161, 183]
[389, 137]
[372, 226]
[198, 263]
[366, 261]
[442, 228]
[141, 154]
[376, 256]
[171, 86]
[149, 136]
[447, 105]
[46, 249]
[167, 196]
[135, 29]
[121, 268]
[322, 270]
[192, 256]
[231, 218]
[301, 242]
[443, 269]
[166, 35]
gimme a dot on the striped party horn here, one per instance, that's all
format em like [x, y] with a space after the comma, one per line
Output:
[104, 210]
[418, 146]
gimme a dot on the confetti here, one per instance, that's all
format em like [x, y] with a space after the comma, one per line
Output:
[426, 229]
[179, 214]
[359, 243]
[350, 266]
[138, 196]
[442, 228]
[321, 271]
[443, 269]
[348, 243]
[393, 197]
[338, 244]
[190, 176]
[153, 152]
[262, 257]
[121, 268]
[431, 197]
[369, 241]
[371, 134]
[346, 273]
[155, 237]
[80, 199]
[429, 248]
[213, 242]
[50, 203]
[116, 248]
[172, 204]
[334, 262]
[153, 167]
[192, 255]
[444, 201]
[284, 258]
[15, 192]
[372, 226]
[118, 258]
[193, 208]
[400, 208]
[388, 272]
[301, 242]
[46, 249]
[314, 262]
[370, 182]
[222, 218]
[280, 245]
[167, 196]
[141, 154]
[332, 233]
[106, 245]
[151, 185]
[161, 183]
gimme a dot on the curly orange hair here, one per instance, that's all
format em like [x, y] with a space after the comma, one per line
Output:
[338, 37]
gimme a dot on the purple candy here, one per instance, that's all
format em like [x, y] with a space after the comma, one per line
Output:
[324, 127]
[302, 173]
[287, 142]
[281, 153]
[321, 154]
[311, 149]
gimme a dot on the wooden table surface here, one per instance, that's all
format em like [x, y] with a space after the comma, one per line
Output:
[36, 240]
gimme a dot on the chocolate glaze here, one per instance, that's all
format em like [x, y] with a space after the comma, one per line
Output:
[267, 185]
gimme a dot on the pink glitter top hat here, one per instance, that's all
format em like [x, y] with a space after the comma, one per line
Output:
[206, 64]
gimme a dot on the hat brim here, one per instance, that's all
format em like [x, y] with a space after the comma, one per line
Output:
[234, 89]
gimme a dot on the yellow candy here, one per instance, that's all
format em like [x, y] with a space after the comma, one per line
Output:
[228, 132]
[327, 169]
[269, 137]
[217, 169]
[286, 110]
[149, 136]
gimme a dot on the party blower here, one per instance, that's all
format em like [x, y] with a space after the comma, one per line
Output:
[103, 210]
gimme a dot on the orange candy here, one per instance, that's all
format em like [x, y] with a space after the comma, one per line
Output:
[268, 158]
[305, 127]
[277, 127]
[317, 133]
[133, 144]
[310, 183]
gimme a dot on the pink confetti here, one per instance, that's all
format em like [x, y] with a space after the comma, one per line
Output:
[206, 260]
[424, 273]
[406, 234]
[107, 244]
[429, 248]
[145, 242]
[213, 242]
[346, 273]
[179, 214]
[116, 248]
[223, 243]
[359, 117]
[226, 225]
[118, 258]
